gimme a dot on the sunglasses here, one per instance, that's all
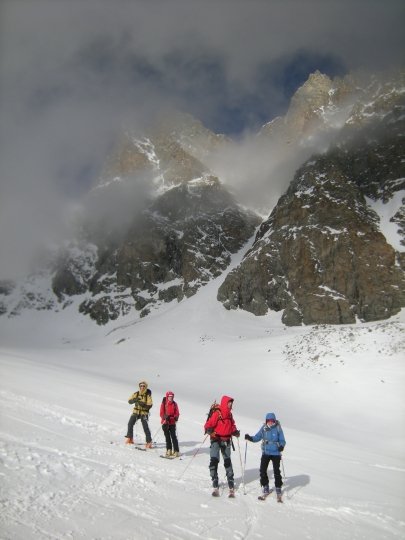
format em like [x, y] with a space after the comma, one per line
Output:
[142, 386]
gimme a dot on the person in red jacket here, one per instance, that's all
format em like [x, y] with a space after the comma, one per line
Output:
[221, 427]
[169, 414]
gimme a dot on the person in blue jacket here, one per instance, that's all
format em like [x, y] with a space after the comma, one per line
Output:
[273, 443]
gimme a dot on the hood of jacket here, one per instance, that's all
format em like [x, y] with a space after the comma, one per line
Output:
[169, 393]
[143, 390]
[225, 411]
[271, 416]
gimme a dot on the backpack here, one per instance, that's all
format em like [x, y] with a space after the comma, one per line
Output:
[215, 407]
[164, 401]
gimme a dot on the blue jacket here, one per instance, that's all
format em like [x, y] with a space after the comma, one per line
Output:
[272, 437]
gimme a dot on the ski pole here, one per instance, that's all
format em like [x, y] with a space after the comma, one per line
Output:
[194, 455]
[282, 465]
[244, 468]
[157, 431]
[241, 466]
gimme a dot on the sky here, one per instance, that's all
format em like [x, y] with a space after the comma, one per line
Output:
[73, 72]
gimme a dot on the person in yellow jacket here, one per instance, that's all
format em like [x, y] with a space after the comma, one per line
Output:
[142, 401]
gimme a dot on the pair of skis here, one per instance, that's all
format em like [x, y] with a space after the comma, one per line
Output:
[143, 449]
[160, 455]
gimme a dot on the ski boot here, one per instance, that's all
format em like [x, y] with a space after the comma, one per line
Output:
[129, 440]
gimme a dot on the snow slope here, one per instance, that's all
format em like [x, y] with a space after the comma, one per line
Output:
[66, 474]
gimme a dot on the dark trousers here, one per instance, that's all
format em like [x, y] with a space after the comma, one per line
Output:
[144, 420]
[264, 463]
[171, 437]
[225, 448]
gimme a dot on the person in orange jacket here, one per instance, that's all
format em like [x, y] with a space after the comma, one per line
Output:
[169, 414]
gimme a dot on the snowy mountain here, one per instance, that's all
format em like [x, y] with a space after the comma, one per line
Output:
[66, 472]
[174, 202]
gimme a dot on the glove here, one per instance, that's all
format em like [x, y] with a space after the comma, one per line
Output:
[248, 438]
[236, 433]
[176, 418]
[209, 430]
[165, 417]
[281, 448]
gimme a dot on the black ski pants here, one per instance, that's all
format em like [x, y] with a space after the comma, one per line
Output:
[171, 437]
[144, 421]
[264, 463]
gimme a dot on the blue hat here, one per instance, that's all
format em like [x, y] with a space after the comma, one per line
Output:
[270, 416]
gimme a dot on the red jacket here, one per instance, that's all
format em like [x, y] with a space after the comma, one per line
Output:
[222, 421]
[169, 411]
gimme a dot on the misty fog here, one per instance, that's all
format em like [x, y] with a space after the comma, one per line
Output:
[73, 73]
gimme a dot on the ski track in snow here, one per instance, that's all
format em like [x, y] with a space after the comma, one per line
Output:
[64, 467]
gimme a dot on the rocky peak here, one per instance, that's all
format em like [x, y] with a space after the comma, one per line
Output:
[311, 97]
[160, 158]
[321, 257]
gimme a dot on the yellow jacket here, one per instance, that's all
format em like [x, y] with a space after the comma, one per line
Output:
[142, 399]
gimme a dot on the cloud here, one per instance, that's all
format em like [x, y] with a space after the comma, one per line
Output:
[73, 72]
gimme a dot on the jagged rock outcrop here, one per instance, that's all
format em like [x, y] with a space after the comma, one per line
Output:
[320, 257]
[322, 106]
[175, 240]
[184, 239]
[171, 152]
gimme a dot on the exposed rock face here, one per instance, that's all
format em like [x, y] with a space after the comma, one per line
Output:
[183, 240]
[322, 106]
[178, 237]
[172, 152]
[320, 257]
